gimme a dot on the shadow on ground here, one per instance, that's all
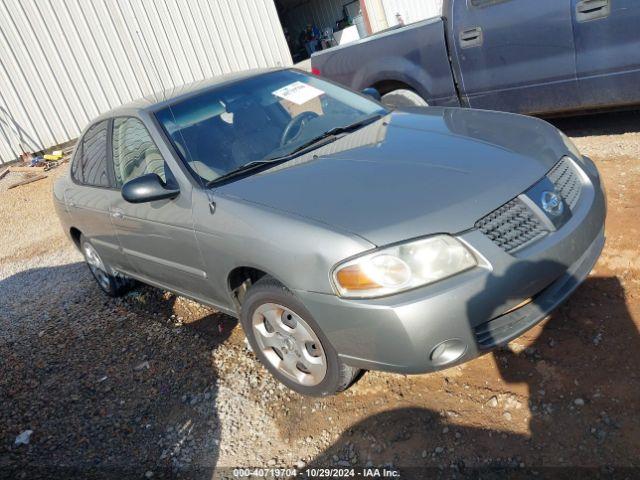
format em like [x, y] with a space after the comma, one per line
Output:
[583, 377]
[109, 387]
[601, 123]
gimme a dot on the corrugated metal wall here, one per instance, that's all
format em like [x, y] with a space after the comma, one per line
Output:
[377, 15]
[411, 10]
[63, 62]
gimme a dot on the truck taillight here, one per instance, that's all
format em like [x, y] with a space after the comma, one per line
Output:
[315, 71]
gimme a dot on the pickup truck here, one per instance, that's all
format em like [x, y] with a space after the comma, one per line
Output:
[522, 56]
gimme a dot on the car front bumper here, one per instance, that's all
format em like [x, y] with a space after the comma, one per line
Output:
[460, 318]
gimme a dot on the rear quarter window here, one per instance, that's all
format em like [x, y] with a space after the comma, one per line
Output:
[90, 162]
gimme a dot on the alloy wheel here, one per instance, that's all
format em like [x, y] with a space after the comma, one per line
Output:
[289, 344]
[96, 266]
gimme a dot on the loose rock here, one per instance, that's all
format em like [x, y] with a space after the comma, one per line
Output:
[23, 438]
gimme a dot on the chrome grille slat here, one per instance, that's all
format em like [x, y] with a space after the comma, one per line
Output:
[512, 226]
[567, 181]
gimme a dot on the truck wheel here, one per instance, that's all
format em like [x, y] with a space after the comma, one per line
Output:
[403, 98]
[114, 286]
[288, 341]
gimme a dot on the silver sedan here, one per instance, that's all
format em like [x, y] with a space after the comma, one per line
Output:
[343, 235]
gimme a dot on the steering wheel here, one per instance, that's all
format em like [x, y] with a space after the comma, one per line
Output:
[296, 124]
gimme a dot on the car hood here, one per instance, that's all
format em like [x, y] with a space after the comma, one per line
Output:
[415, 172]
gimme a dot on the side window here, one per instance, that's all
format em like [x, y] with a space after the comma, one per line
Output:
[90, 163]
[134, 153]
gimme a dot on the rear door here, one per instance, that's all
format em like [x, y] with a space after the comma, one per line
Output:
[90, 197]
[608, 51]
[515, 55]
[157, 237]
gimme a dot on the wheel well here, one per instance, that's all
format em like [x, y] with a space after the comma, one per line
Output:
[240, 279]
[75, 236]
[386, 86]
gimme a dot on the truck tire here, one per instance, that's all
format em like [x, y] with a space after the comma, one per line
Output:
[403, 98]
[289, 343]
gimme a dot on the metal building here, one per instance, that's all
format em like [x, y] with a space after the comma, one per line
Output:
[410, 11]
[63, 62]
[377, 15]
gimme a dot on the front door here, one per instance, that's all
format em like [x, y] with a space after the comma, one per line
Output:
[515, 55]
[157, 237]
[608, 51]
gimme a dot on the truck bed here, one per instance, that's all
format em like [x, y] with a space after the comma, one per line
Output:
[390, 60]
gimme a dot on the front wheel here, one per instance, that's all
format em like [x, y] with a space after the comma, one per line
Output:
[112, 285]
[403, 98]
[288, 341]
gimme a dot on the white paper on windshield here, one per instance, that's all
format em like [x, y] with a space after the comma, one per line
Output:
[298, 93]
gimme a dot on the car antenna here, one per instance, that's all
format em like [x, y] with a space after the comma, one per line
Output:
[147, 52]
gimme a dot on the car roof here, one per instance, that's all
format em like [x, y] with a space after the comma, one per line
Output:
[161, 99]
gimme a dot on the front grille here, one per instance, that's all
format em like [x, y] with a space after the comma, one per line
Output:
[567, 181]
[512, 226]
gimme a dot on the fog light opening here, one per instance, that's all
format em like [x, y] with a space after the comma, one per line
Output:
[448, 352]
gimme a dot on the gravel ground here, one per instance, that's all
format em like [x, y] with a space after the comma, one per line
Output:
[153, 385]
[11, 178]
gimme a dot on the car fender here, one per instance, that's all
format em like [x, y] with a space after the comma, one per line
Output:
[297, 251]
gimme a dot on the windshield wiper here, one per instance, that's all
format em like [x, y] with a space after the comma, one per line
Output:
[246, 168]
[352, 127]
[314, 142]
[258, 164]
[324, 139]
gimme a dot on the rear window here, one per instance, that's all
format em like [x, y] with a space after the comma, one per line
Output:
[90, 163]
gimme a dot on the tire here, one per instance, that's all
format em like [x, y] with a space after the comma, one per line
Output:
[269, 301]
[403, 98]
[112, 285]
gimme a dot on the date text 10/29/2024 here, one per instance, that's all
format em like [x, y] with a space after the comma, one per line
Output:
[319, 472]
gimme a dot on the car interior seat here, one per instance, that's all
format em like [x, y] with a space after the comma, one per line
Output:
[255, 134]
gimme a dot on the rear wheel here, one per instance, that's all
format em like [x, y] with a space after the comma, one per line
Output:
[403, 98]
[112, 285]
[288, 341]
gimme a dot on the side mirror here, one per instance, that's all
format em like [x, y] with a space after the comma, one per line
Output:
[147, 188]
[373, 93]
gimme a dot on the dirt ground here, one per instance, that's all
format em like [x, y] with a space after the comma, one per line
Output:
[153, 385]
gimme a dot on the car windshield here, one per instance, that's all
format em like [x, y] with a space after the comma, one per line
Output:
[260, 118]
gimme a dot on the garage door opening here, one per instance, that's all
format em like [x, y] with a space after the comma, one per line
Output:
[312, 25]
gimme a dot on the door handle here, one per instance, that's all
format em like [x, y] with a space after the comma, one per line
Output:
[119, 214]
[471, 37]
[592, 10]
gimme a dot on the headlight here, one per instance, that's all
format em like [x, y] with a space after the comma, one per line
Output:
[402, 267]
